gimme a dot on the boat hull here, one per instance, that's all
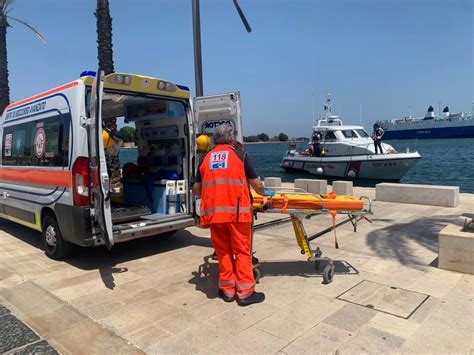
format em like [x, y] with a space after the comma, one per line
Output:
[389, 167]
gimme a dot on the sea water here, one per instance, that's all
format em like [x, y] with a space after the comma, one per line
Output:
[443, 162]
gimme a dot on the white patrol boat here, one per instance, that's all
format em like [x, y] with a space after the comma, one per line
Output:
[347, 152]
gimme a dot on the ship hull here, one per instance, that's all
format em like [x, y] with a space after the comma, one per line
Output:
[430, 133]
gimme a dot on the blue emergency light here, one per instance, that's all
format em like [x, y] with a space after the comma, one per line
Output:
[182, 87]
[88, 73]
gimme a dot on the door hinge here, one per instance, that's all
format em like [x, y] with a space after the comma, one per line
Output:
[86, 121]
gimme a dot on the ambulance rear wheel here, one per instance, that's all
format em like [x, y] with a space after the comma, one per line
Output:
[54, 245]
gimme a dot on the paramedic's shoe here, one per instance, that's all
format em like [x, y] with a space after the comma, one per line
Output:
[256, 297]
[224, 297]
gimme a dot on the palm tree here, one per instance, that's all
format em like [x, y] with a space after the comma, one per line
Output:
[105, 55]
[104, 36]
[5, 9]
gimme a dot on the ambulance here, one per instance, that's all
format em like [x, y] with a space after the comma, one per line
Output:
[58, 169]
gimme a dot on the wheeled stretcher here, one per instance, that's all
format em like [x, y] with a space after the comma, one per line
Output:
[300, 204]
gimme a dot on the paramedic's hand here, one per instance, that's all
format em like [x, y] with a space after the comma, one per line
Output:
[268, 192]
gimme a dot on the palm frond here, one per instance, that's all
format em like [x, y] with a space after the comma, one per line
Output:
[5, 6]
[36, 32]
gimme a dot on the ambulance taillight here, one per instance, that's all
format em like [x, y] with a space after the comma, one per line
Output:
[80, 182]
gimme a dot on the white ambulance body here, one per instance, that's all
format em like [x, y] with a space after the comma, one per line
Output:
[55, 173]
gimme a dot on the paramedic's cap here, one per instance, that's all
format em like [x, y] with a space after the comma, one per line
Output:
[203, 143]
[223, 134]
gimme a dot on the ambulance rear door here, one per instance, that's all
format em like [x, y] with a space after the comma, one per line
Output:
[212, 111]
[99, 179]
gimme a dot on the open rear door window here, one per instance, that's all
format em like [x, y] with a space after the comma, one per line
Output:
[212, 111]
[99, 179]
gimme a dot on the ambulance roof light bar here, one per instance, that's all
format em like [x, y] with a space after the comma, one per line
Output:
[126, 79]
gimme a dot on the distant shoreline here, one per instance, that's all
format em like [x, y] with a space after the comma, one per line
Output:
[272, 142]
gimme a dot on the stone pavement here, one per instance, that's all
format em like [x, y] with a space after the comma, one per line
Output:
[18, 338]
[159, 295]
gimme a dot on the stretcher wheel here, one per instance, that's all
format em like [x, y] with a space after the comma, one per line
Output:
[328, 274]
[256, 275]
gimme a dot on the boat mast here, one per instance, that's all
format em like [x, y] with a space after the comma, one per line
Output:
[328, 105]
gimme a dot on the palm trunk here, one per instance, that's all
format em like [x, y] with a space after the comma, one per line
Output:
[4, 84]
[106, 63]
[104, 36]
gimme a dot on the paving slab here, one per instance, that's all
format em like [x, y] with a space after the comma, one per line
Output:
[321, 339]
[350, 317]
[296, 318]
[250, 341]
[370, 340]
[88, 337]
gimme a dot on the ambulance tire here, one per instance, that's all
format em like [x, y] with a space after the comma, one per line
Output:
[54, 245]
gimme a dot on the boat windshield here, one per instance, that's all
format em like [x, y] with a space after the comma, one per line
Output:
[362, 133]
[350, 134]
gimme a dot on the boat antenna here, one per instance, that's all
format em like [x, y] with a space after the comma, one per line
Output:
[328, 104]
[313, 109]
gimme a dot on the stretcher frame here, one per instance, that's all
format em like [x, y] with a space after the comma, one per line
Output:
[303, 240]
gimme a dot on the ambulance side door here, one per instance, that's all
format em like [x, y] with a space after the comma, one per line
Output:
[99, 179]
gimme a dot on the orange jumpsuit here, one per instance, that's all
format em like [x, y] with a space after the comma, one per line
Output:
[227, 210]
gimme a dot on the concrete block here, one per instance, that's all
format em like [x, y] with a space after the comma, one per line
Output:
[342, 187]
[302, 184]
[272, 182]
[317, 186]
[456, 248]
[431, 195]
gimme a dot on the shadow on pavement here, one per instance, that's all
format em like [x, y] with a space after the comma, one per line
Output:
[402, 241]
[22, 233]
[303, 268]
[206, 276]
[105, 261]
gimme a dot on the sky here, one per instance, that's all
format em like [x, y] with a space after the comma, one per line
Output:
[378, 58]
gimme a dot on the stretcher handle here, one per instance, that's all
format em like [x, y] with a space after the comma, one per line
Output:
[369, 201]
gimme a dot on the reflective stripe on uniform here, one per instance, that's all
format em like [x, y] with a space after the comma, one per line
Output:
[240, 287]
[209, 211]
[237, 182]
[226, 282]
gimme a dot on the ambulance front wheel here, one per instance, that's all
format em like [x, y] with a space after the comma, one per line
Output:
[55, 246]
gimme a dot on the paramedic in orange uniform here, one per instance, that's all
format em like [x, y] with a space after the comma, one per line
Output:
[223, 182]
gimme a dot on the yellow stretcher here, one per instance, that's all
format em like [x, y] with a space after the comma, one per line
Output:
[299, 204]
